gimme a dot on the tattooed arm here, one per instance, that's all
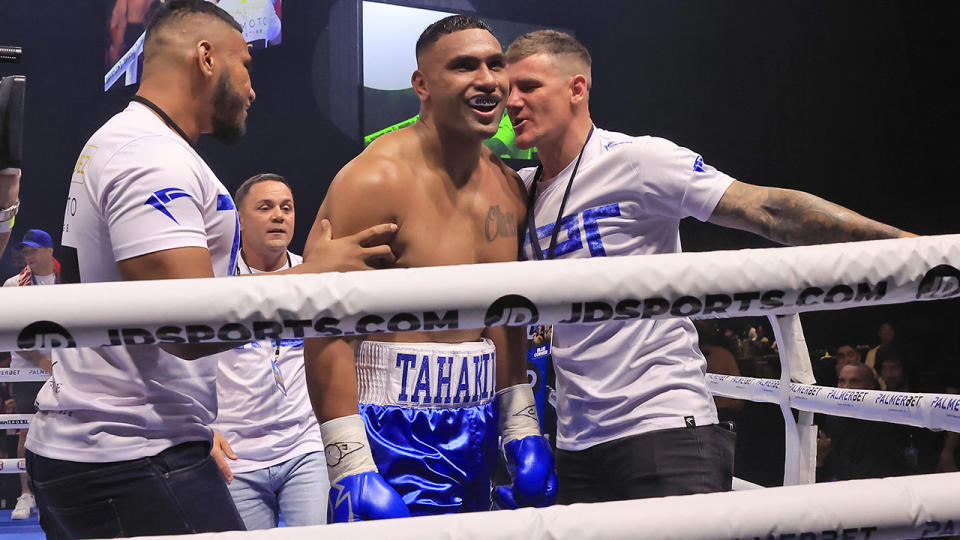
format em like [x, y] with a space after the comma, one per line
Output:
[794, 217]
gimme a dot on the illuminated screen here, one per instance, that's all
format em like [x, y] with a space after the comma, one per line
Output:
[128, 20]
[389, 37]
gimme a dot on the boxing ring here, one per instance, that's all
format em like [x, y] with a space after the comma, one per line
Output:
[778, 283]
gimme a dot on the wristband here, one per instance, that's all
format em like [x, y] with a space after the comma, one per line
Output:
[518, 413]
[7, 226]
[6, 214]
[347, 448]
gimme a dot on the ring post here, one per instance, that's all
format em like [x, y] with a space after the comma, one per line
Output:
[799, 466]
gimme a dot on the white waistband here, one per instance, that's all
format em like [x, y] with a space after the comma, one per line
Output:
[426, 375]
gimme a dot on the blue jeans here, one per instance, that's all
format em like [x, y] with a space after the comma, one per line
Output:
[296, 489]
[177, 491]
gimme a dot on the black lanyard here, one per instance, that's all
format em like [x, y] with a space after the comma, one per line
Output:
[532, 199]
[166, 118]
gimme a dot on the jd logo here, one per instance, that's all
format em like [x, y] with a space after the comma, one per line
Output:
[941, 281]
[43, 334]
[511, 310]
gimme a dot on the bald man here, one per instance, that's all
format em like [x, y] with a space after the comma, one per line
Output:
[121, 444]
[850, 448]
[856, 376]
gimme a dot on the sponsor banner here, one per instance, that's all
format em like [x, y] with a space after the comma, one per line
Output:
[580, 291]
[934, 411]
[23, 375]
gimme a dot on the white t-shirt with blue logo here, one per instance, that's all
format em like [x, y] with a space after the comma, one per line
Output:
[137, 188]
[622, 378]
[264, 409]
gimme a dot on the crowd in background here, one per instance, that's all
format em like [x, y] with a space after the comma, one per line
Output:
[847, 448]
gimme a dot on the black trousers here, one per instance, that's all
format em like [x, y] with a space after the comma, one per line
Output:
[661, 463]
[178, 491]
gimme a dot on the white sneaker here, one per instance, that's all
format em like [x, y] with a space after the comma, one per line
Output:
[26, 505]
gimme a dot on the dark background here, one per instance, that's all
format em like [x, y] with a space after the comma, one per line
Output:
[854, 101]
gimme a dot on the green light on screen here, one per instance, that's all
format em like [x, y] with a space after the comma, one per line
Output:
[501, 143]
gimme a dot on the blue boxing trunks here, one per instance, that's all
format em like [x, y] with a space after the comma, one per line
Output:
[429, 415]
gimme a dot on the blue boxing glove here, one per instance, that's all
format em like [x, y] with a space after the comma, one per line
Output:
[357, 491]
[362, 497]
[530, 463]
[527, 453]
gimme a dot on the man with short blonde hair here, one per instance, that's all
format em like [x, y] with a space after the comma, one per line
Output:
[553, 43]
[634, 415]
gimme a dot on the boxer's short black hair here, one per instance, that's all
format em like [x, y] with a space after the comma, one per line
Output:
[449, 25]
[174, 11]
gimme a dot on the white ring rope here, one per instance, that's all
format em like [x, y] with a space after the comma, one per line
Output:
[712, 284]
[23, 375]
[889, 508]
[12, 466]
[777, 281]
[15, 421]
[932, 411]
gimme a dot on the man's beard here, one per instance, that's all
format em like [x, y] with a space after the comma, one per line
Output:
[228, 106]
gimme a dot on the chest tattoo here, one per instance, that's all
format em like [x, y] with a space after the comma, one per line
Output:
[499, 224]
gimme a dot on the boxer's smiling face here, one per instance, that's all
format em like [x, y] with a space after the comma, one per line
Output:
[464, 81]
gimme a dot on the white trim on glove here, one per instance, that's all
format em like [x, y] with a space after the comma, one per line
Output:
[346, 447]
[518, 413]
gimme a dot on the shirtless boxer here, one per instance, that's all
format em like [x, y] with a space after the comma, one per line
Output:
[426, 399]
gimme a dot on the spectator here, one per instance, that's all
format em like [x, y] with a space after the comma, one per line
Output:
[886, 335]
[846, 355]
[891, 366]
[850, 448]
[41, 269]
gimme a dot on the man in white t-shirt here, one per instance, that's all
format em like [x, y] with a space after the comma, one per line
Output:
[41, 269]
[120, 445]
[265, 423]
[635, 417]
